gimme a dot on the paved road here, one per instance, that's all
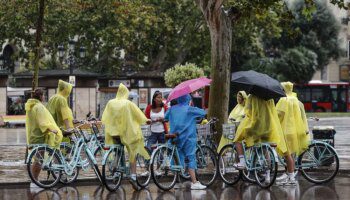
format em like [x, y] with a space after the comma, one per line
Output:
[337, 189]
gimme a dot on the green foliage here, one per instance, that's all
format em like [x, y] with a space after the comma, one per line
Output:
[180, 73]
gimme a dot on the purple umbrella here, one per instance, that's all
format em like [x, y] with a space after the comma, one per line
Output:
[188, 87]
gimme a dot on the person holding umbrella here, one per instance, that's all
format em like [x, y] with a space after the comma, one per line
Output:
[237, 114]
[295, 132]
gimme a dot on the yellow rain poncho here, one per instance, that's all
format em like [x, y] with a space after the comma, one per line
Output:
[38, 123]
[58, 106]
[238, 114]
[261, 124]
[123, 118]
[293, 121]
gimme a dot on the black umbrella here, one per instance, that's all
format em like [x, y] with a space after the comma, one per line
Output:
[261, 85]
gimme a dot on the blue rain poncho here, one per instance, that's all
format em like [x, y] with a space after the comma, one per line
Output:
[182, 119]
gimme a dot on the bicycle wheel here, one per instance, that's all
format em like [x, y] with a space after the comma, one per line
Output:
[143, 174]
[161, 168]
[207, 165]
[42, 163]
[265, 166]
[227, 157]
[112, 172]
[319, 163]
[65, 178]
[248, 175]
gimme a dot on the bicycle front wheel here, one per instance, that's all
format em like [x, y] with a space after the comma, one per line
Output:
[265, 166]
[112, 172]
[161, 168]
[42, 163]
[319, 163]
[143, 174]
[227, 158]
[207, 166]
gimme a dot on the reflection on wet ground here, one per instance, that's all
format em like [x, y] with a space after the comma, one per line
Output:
[337, 189]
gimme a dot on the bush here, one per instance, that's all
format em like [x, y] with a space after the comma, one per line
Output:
[180, 73]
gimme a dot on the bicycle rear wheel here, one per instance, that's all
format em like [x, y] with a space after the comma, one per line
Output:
[161, 168]
[143, 174]
[112, 172]
[319, 163]
[207, 165]
[42, 164]
[227, 158]
[265, 166]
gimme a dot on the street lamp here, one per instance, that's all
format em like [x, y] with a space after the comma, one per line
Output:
[71, 60]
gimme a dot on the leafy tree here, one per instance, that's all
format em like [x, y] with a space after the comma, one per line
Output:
[180, 73]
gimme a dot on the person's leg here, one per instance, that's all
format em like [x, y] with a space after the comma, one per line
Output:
[36, 168]
[151, 141]
[239, 149]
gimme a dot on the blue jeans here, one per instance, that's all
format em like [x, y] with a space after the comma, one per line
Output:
[154, 138]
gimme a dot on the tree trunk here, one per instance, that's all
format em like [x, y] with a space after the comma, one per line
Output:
[39, 28]
[220, 27]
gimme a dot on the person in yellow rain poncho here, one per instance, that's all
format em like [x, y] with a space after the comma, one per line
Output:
[261, 124]
[59, 108]
[293, 121]
[237, 114]
[40, 126]
[122, 118]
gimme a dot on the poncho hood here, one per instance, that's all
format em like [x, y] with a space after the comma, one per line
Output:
[64, 88]
[30, 104]
[244, 95]
[288, 88]
[184, 100]
[123, 92]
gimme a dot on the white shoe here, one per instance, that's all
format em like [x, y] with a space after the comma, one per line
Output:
[288, 181]
[282, 177]
[267, 178]
[197, 186]
[144, 174]
[239, 166]
[158, 173]
[230, 169]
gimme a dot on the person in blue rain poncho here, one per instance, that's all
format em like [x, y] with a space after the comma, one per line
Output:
[182, 119]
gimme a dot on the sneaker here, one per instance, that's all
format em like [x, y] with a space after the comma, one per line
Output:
[158, 173]
[239, 166]
[230, 169]
[282, 177]
[288, 181]
[197, 186]
[145, 174]
[132, 181]
[267, 178]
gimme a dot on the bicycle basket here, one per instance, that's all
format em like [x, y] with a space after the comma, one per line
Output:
[146, 130]
[229, 131]
[203, 130]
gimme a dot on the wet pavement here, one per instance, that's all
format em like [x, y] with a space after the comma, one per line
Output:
[13, 173]
[337, 189]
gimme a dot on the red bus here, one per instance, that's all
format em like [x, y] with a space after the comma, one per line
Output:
[320, 96]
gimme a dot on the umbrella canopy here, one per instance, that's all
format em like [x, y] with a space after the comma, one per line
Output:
[261, 85]
[187, 87]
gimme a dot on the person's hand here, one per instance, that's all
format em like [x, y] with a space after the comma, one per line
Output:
[160, 119]
[148, 121]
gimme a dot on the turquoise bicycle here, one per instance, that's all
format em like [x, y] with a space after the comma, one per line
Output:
[45, 165]
[261, 161]
[115, 165]
[317, 164]
[166, 166]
